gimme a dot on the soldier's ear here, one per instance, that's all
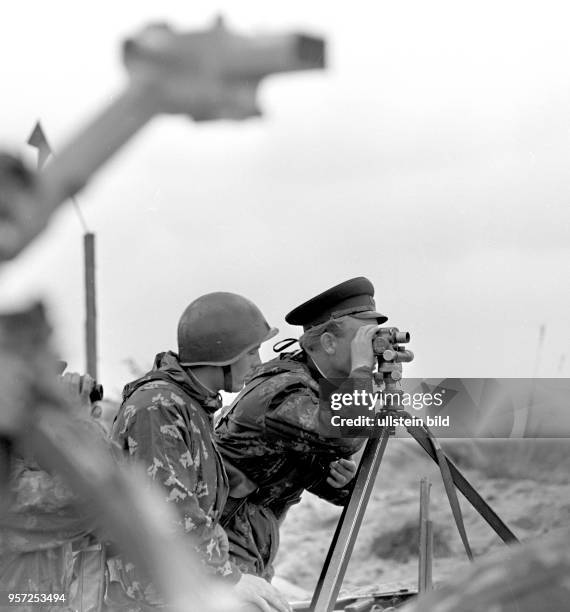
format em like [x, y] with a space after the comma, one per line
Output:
[328, 343]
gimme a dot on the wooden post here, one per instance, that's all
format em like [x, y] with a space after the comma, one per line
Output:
[38, 140]
[429, 556]
[425, 539]
[90, 305]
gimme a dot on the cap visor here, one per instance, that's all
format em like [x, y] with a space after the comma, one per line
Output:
[370, 314]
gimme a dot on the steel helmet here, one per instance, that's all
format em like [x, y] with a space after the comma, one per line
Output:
[219, 328]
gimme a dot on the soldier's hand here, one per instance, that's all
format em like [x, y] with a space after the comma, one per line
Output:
[341, 473]
[77, 389]
[361, 353]
[256, 593]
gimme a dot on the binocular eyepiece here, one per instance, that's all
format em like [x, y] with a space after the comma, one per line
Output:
[393, 335]
[386, 345]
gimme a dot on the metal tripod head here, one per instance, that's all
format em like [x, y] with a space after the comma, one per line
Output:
[390, 355]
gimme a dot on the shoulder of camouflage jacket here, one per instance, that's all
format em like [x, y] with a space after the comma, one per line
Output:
[283, 372]
[158, 395]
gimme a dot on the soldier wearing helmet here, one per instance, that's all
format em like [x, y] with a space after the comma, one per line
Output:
[272, 439]
[165, 424]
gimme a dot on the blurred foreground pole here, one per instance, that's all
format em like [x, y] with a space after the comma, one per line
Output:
[90, 305]
[207, 75]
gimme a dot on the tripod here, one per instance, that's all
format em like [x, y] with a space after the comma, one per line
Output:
[341, 547]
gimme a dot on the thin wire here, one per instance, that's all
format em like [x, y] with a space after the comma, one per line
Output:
[76, 206]
[80, 215]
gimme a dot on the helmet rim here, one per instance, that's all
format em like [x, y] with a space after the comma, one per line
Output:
[272, 332]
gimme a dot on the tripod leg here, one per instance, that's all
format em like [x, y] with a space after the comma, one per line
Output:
[451, 493]
[422, 438]
[349, 523]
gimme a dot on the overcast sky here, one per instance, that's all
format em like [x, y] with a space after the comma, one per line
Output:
[432, 156]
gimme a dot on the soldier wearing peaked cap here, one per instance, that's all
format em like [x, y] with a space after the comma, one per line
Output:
[272, 438]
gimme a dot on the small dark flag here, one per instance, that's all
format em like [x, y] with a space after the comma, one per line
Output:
[38, 139]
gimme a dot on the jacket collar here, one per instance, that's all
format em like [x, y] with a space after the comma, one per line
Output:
[167, 367]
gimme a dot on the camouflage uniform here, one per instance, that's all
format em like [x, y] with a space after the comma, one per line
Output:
[165, 424]
[273, 444]
[37, 534]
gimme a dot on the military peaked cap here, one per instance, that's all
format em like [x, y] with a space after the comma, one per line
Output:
[354, 297]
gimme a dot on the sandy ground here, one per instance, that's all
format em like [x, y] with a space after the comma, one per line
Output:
[527, 482]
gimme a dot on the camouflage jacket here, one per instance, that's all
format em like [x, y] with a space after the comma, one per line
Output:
[164, 423]
[274, 447]
[38, 530]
